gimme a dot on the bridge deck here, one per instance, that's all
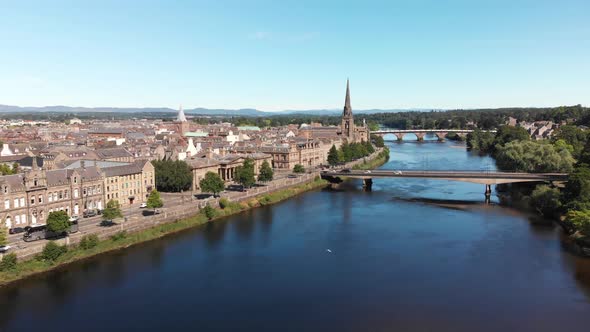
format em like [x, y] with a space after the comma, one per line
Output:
[464, 176]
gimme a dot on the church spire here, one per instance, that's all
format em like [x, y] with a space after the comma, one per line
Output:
[181, 117]
[347, 107]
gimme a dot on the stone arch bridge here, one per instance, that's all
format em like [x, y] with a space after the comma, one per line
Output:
[420, 133]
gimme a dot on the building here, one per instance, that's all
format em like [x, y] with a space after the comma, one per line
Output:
[348, 130]
[130, 183]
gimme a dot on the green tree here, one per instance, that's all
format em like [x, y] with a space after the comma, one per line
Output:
[209, 212]
[112, 211]
[573, 136]
[8, 262]
[580, 219]
[172, 176]
[298, 169]
[3, 235]
[576, 193]
[212, 183]
[58, 222]
[532, 156]
[244, 174]
[546, 200]
[266, 173]
[506, 134]
[88, 241]
[378, 141]
[52, 251]
[333, 156]
[154, 200]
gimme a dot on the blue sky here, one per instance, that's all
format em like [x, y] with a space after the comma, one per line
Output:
[275, 55]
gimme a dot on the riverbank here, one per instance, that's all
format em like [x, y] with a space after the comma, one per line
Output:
[381, 158]
[121, 240]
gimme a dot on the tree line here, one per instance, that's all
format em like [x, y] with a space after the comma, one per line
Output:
[349, 152]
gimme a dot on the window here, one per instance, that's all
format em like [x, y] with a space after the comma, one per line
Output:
[40, 199]
[84, 192]
[61, 194]
[35, 182]
[33, 200]
[108, 188]
[22, 202]
[23, 218]
[16, 202]
[66, 194]
[7, 204]
[50, 197]
[17, 219]
[5, 189]
[55, 196]
[75, 193]
[75, 179]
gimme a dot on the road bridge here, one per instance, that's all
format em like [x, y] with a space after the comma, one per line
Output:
[487, 178]
[420, 133]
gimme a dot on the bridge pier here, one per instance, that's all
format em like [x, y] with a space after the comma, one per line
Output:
[441, 136]
[488, 192]
[368, 184]
[400, 136]
[420, 136]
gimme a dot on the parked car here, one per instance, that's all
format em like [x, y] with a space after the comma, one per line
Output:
[143, 205]
[89, 213]
[16, 230]
[4, 249]
[291, 176]
[157, 211]
[74, 219]
[397, 172]
[107, 223]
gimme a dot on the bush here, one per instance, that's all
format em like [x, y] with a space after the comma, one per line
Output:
[89, 241]
[52, 251]
[209, 212]
[298, 169]
[223, 203]
[546, 200]
[119, 236]
[8, 262]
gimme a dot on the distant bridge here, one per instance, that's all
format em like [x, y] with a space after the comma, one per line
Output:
[482, 177]
[420, 133]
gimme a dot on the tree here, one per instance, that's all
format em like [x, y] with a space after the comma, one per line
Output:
[580, 219]
[298, 169]
[209, 212]
[333, 157]
[546, 200]
[3, 235]
[378, 141]
[172, 176]
[266, 173]
[576, 194]
[506, 134]
[58, 222]
[212, 183]
[532, 156]
[112, 211]
[154, 200]
[244, 174]
[573, 136]
[8, 262]
[52, 251]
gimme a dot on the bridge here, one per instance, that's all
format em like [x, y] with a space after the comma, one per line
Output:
[482, 177]
[420, 133]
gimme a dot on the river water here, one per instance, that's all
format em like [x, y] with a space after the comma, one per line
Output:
[331, 260]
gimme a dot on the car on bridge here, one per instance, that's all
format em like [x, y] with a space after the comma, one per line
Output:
[346, 170]
[397, 172]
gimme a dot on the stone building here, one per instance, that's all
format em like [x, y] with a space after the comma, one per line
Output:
[130, 183]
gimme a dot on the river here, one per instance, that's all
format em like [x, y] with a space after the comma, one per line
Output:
[411, 255]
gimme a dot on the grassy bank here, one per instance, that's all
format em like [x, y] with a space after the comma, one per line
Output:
[381, 159]
[122, 240]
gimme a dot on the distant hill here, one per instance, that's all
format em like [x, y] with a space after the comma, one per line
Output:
[194, 111]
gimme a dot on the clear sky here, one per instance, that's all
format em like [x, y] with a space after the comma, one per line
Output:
[275, 55]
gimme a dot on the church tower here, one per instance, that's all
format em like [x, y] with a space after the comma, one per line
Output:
[347, 126]
[183, 124]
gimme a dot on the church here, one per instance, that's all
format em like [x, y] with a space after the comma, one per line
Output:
[348, 130]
